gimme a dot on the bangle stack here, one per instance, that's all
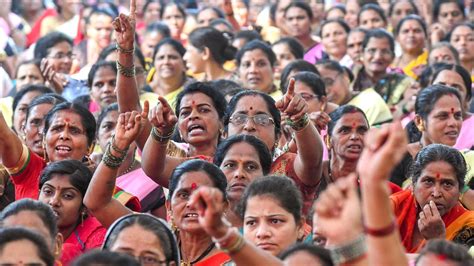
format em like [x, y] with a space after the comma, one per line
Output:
[350, 251]
[162, 139]
[126, 71]
[228, 244]
[299, 124]
[111, 160]
[123, 50]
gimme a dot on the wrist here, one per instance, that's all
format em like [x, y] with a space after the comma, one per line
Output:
[351, 251]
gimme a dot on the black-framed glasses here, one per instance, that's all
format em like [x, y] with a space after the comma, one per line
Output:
[259, 119]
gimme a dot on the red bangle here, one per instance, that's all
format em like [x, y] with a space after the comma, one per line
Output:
[382, 231]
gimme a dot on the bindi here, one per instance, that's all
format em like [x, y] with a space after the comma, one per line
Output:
[67, 120]
[194, 186]
[251, 108]
[452, 110]
[438, 175]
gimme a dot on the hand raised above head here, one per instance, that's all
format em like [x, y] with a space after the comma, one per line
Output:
[124, 27]
[162, 117]
[127, 129]
[291, 104]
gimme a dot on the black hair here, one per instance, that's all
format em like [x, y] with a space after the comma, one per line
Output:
[160, 27]
[87, 119]
[313, 81]
[105, 111]
[109, 10]
[452, 251]
[42, 210]
[448, 45]
[280, 188]
[218, 11]
[95, 67]
[373, 7]
[104, 258]
[301, 5]
[181, 9]
[379, 34]
[262, 150]
[295, 66]
[340, 7]
[466, 77]
[177, 46]
[212, 171]
[296, 49]
[248, 35]
[323, 255]
[148, 2]
[48, 41]
[256, 45]
[438, 3]
[393, 4]
[428, 97]
[150, 223]
[340, 22]
[440, 152]
[218, 45]
[34, 61]
[48, 98]
[220, 21]
[112, 48]
[29, 88]
[470, 25]
[340, 112]
[409, 18]
[227, 87]
[207, 89]
[426, 75]
[9, 235]
[331, 65]
[78, 174]
[270, 102]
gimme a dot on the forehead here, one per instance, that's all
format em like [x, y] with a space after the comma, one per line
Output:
[254, 102]
[295, 11]
[447, 102]
[280, 47]
[378, 42]
[98, 18]
[28, 97]
[448, 6]
[449, 76]
[67, 116]
[356, 36]
[60, 181]
[28, 219]
[369, 13]
[206, 13]
[196, 98]
[167, 49]
[111, 116]
[28, 68]
[255, 54]
[171, 10]
[40, 110]
[326, 72]
[350, 119]
[439, 168]
[136, 237]
[410, 24]
[403, 5]
[441, 50]
[61, 47]
[462, 30]
[104, 71]
[197, 177]
[264, 205]
[302, 87]
[331, 27]
[242, 149]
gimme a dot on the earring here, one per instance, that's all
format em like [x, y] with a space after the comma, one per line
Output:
[421, 126]
[45, 155]
[328, 142]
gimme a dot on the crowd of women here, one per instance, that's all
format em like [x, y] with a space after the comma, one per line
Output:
[236, 132]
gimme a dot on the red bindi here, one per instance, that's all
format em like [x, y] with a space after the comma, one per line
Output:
[251, 108]
[66, 119]
[441, 257]
[437, 175]
[452, 110]
[194, 186]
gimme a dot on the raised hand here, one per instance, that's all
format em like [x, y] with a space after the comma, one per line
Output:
[430, 223]
[127, 129]
[291, 104]
[320, 120]
[125, 27]
[210, 205]
[55, 80]
[384, 149]
[338, 215]
[162, 117]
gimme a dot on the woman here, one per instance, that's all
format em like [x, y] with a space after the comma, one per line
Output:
[207, 14]
[28, 73]
[337, 11]
[431, 209]
[255, 62]
[353, 8]
[207, 52]
[448, 14]
[334, 39]
[438, 110]
[242, 158]
[21, 246]
[153, 34]
[457, 77]
[174, 15]
[443, 52]
[306, 254]
[20, 104]
[286, 50]
[400, 9]
[298, 16]
[354, 46]
[462, 38]
[372, 16]
[412, 33]
[68, 132]
[151, 12]
[144, 237]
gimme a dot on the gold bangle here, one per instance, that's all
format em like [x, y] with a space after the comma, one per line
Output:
[156, 135]
[128, 72]
[123, 50]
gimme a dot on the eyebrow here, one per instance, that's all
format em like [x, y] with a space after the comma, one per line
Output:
[199, 105]
[64, 188]
[266, 216]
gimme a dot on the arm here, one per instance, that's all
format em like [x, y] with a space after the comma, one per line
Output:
[11, 146]
[467, 199]
[99, 196]
[383, 151]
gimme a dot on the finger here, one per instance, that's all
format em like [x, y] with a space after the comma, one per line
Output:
[146, 109]
[166, 106]
[290, 90]
[116, 25]
[427, 211]
[121, 120]
[434, 209]
[124, 22]
[376, 138]
[293, 105]
[133, 8]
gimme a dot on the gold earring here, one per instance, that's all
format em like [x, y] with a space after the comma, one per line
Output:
[421, 126]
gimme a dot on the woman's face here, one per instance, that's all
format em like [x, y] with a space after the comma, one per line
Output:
[411, 37]
[337, 85]
[198, 120]
[20, 252]
[354, 45]
[353, 8]
[441, 54]
[450, 15]
[377, 56]
[28, 74]
[347, 138]
[256, 71]
[401, 10]
[184, 216]
[34, 128]
[150, 40]
[314, 103]
[298, 22]
[175, 20]
[103, 87]
[370, 19]
[251, 106]
[168, 62]
[19, 114]
[462, 38]
[152, 12]
[66, 137]
[60, 57]
[452, 79]
[284, 57]
[444, 122]
[268, 225]
[335, 13]
[194, 59]
[280, 20]
[205, 17]
[334, 40]
[100, 29]
[107, 128]
[437, 183]
[64, 199]
[241, 165]
[302, 258]
[139, 243]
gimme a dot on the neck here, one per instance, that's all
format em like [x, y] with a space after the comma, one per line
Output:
[32, 15]
[164, 86]
[66, 15]
[468, 65]
[374, 77]
[67, 231]
[342, 168]
[307, 41]
[193, 245]
[215, 71]
[231, 214]
[205, 149]
[407, 57]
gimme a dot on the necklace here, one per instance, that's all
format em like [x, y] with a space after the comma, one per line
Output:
[204, 254]
[130, 168]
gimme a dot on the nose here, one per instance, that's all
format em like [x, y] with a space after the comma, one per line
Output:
[239, 173]
[249, 126]
[64, 134]
[437, 191]
[54, 200]
[252, 68]
[263, 231]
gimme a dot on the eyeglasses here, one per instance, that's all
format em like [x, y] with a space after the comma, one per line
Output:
[307, 96]
[328, 82]
[149, 260]
[259, 119]
[69, 55]
[383, 52]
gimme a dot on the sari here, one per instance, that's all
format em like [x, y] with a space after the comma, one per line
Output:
[218, 259]
[414, 68]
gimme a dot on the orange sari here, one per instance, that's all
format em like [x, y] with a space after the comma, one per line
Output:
[458, 220]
